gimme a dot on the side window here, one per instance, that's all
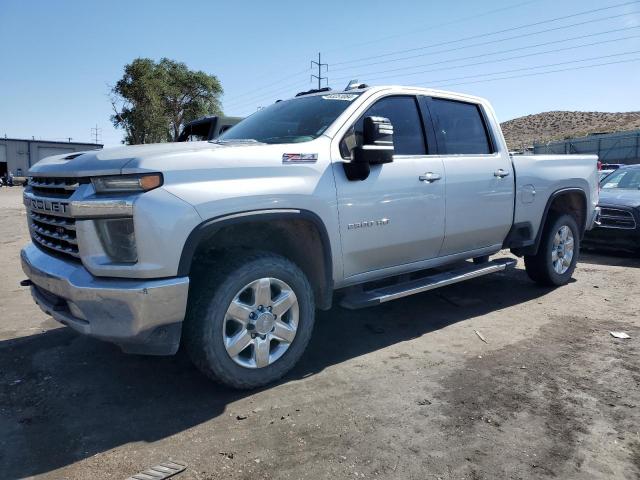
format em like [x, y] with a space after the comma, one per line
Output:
[460, 127]
[402, 111]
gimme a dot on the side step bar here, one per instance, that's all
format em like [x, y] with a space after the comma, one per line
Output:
[368, 298]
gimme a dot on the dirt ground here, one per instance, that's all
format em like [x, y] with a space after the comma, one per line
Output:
[403, 391]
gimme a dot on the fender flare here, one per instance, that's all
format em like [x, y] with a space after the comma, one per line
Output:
[209, 228]
[533, 249]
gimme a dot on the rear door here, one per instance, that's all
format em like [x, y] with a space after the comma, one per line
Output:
[392, 218]
[479, 177]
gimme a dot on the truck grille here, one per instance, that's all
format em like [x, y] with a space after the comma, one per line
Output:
[51, 227]
[617, 218]
[58, 187]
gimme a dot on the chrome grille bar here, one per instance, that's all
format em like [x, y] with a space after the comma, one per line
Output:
[63, 185]
[50, 222]
[55, 221]
[58, 236]
[617, 218]
[54, 246]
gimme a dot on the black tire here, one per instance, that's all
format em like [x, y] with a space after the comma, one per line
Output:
[539, 267]
[213, 289]
[481, 260]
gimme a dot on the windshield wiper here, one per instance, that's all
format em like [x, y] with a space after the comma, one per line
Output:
[288, 138]
[236, 140]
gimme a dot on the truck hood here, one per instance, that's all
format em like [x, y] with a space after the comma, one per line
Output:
[111, 161]
[620, 196]
[166, 157]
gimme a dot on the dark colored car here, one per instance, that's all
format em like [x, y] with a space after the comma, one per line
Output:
[207, 128]
[619, 227]
[607, 168]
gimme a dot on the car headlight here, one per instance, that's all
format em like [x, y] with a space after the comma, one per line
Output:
[118, 239]
[127, 183]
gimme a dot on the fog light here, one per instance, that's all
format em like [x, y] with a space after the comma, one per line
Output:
[118, 239]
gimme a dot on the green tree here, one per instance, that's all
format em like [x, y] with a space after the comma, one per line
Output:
[153, 100]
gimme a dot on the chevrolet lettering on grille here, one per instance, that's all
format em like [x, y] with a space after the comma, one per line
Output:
[47, 206]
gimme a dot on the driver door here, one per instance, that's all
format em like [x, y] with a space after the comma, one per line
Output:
[394, 217]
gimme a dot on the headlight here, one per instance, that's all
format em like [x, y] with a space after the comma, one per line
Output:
[127, 183]
[118, 239]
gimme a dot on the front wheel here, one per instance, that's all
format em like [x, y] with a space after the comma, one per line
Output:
[251, 319]
[558, 252]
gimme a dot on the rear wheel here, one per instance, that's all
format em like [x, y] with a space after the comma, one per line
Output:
[251, 319]
[558, 252]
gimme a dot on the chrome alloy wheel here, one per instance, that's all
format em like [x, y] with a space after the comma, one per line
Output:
[562, 250]
[261, 323]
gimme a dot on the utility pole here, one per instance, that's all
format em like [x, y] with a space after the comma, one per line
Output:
[96, 134]
[319, 77]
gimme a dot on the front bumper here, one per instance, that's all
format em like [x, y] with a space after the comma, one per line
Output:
[612, 239]
[618, 228]
[141, 316]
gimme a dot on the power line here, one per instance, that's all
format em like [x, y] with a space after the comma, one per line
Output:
[242, 101]
[433, 27]
[275, 82]
[506, 58]
[263, 94]
[487, 13]
[298, 84]
[472, 37]
[530, 34]
[475, 75]
[288, 90]
[540, 73]
[516, 57]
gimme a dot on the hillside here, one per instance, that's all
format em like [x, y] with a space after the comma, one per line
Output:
[557, 125]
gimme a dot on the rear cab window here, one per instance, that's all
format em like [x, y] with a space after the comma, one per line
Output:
[460, 127]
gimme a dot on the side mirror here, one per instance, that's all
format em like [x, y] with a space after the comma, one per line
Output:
[376, 148]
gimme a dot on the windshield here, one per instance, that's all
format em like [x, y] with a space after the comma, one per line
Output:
[291, 121]
[628, 179]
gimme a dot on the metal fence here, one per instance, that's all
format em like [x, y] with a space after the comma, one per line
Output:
[620, 147]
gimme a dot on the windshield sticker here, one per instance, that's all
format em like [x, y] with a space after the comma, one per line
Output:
[299, 157]
[349, 97]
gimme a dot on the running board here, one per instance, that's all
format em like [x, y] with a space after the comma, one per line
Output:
[376, 296]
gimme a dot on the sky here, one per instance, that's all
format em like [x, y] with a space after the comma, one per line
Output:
[60, 58]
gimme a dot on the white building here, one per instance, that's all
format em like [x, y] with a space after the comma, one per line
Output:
[18, 155]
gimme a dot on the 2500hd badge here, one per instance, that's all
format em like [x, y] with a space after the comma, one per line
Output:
[368, 223]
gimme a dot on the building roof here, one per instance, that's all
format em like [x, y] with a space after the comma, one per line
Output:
[32, 140]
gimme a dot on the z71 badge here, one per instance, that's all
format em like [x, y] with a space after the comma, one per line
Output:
[368, 223]
[299, 157]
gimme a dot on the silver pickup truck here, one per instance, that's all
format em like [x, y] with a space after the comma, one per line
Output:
[365, 195]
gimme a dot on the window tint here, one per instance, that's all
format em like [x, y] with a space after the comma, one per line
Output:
[297, 120]
[460, 127]
[628, 179]
[403, 113]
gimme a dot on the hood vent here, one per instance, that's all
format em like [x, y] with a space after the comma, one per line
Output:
[73, 155]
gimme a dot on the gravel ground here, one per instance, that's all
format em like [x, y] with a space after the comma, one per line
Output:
[406, 390]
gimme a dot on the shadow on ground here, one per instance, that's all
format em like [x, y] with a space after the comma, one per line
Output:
[65, 397]
[613, 258]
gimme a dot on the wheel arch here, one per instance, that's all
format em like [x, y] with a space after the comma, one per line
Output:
[299, 235]
[565, 200]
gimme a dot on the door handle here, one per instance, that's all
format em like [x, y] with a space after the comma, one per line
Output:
[429, 177]
[500, 173]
